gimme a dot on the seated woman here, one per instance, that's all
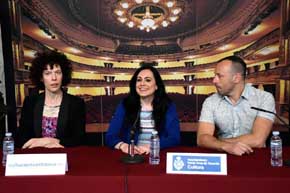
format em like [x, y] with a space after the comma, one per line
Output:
[146, 108]
[52, 119]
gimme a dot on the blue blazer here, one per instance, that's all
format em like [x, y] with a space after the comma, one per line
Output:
[169, 134]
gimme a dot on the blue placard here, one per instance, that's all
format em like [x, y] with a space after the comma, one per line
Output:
[196, 163]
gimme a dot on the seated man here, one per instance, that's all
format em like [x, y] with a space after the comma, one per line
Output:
[227, 122]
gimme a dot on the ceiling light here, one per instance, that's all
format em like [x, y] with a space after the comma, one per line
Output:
[148, 22]
[173, 19]
[224, 47]
[122, 19]
[176, 11]
[145, 15]
[269, 50]
[131, 24]
[105, 58]
[74, 50]
[119, 12]
[138, 1]
[170, 4]
[125, 5]
[29, 53]
[165, 23]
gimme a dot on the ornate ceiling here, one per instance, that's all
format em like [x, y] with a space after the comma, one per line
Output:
[99, 17]
[203, 26]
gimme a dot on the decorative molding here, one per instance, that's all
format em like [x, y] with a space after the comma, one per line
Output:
[270, 38]
[80, 38]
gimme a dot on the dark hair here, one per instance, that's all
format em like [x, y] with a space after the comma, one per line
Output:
[160, 102]
[39, 64]
[238, 65]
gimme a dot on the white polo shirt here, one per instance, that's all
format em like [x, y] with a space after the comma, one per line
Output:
[235, 120]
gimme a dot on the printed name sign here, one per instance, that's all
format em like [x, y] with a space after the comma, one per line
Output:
[36, 164]
[196, 163]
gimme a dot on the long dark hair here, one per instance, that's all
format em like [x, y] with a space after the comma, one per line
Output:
[160, 102]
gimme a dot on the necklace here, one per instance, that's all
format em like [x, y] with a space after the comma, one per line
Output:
[53, 100]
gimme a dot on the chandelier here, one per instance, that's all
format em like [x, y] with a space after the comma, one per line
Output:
[147, 15]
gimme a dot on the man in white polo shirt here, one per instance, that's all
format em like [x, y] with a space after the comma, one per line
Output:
[227, 122]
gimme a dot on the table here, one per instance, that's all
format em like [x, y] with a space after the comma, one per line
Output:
[98, 169]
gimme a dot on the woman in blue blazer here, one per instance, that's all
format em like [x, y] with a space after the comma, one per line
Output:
[146, 108]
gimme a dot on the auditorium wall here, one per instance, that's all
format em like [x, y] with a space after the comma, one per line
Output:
[101, 105]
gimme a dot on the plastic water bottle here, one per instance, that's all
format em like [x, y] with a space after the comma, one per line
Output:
[8, 147]
[276, 150]
[154, 157]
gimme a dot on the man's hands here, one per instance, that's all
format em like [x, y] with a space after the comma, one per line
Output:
[237, 148]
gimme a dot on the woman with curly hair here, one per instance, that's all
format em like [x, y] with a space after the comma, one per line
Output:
[53, 118]
[146, 108]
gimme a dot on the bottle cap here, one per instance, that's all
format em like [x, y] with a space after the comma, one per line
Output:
[8, 134]
[154, 132]
[275, 133]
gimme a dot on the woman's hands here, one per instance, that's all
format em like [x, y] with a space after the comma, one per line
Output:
[46, 142]
[141, 149]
